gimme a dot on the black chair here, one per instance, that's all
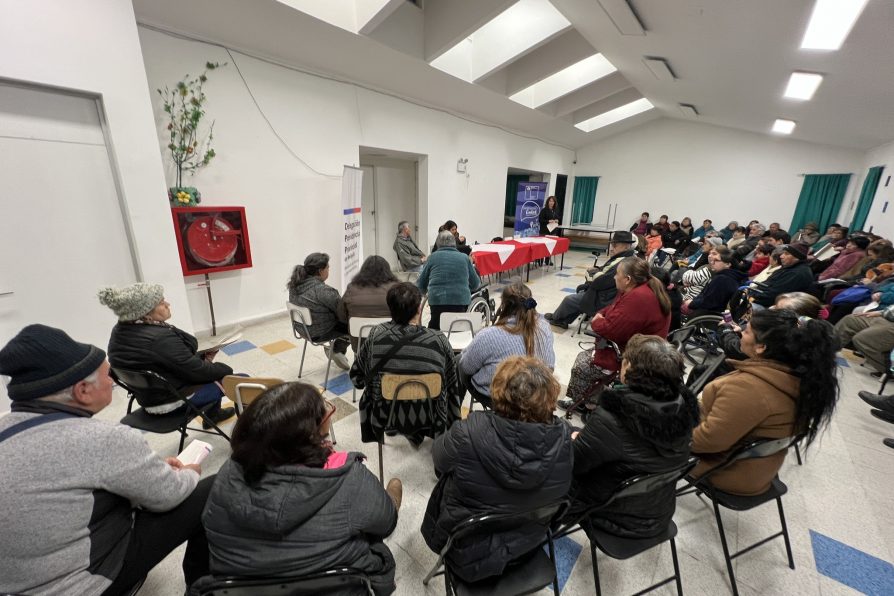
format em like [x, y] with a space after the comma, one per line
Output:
[527, 575]
[707, 371]
[624, 548]
[696, 338]
[753, 450]
[341, 581]
[150, 389]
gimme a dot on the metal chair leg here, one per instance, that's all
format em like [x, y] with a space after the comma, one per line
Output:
[354, 396]
[788, 546]
[798, 455]
[182, 436]
[552, 557]
[381, 464]
[303, 352]
[332, 433]
[595, 570]
[676, 567]
[328, 366]
[729, 561]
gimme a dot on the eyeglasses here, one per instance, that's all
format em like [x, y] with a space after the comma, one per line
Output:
[330, 411]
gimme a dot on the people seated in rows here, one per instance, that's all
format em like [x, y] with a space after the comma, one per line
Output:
[773, 265]
[700, 257]
[786, 387]
[728, 273]
[693, 281]
[853, 252]
[674, 237]
[808, 235]
[872, 334]
[598, 293]
[673, 292]
[654, 242]
[286, 503]
[726, 234]
[512, 459]
[641, 226]
[662, 224]
[89, 507]
[761, 259]
[793, 276]
[460, 244]
[702, 230]
[686, 226]
[410, 257]
[144, 340]
[776, 227]
[737, 238]
[307, 287]
[366, 294]
[642, 426]
[834, 234]
[879, 252]
[449, 278]
[519, 330]
[403, 346]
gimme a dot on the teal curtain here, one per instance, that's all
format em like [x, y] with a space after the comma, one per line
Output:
[820, 200]
[584, 199]
[866, 197]
[512, 181]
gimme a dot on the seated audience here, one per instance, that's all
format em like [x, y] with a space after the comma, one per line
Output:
[286, 503]
[761, 259]
[512, 459]
[807, 235]
[831, 231]
[726, 234]
[854, 251]
[673, 292]
[686, 226]
[674, 237]
[653, 242]
[700, 257]
[871, 333]
[643, 426]
[144, 340]
[403, 346]
[662, 225]
[519, 330]
[727, 275]
[642, 226]
[449, 279]
[693, 281]
[410, 257]
[366, 295]
[307, 287]
[702, 230]
[786, 387]
[90, 508]
[772, 267]
[737, 238]
[775, 227]
[460, 245]
[793, 276]
[879, 252]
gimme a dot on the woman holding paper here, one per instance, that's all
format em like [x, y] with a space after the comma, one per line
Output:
[550, 219]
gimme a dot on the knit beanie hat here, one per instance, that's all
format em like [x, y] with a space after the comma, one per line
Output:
[132, 302]
[42, 360]
[714, 240]
[798, 250]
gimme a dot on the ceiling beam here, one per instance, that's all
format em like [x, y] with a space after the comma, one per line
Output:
[447, 22]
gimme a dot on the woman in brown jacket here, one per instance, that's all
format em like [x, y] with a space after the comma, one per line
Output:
[365, 295]
[786, 387]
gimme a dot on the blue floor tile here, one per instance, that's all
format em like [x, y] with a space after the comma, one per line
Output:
[341, 384]
[842, 362]
[852, 567]
[238, 348]
[569, 290]
[567, 552]
[563, 275]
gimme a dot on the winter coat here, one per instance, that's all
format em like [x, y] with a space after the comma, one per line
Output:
[364, 301]
[163, 349]
[408, 253]
[602, 290]
[758, 264]
[700, 231]
[676, 239]
[321, 300]
[756, 401]
[695, 280]
[630, 434]
[844, 261]
[491, 464]
[449, 278]
[794, 278]
[547, 214]
[653, 243]
[717, 294]
[635, 311]
[299, 520]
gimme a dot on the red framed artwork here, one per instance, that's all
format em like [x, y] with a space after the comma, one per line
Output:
[211, 239]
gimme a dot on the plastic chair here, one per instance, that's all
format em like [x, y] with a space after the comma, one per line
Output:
[244, 390]
[456, 322]
[624, 548]
[341, 581]
[407, 387]
[301, 320]
[150, 389]
[360, 328]
[530, 573]
[753, 450]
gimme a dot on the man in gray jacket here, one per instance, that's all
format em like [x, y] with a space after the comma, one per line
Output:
[409, 255]
[89, 508]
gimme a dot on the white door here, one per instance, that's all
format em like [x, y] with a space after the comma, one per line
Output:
[393, 184]
[62, 234]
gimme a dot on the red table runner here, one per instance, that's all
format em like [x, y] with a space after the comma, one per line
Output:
[523, 253]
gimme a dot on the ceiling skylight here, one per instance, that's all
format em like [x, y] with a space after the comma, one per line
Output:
[626, 111]
[783, 127]
[516, 30]
[351, 15]
[802, 85]
[830, 23]
[565, 81]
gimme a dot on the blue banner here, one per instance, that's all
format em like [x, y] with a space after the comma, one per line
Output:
[528, 203]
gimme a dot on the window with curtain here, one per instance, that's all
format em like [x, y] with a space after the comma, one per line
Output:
[870, 184]
[820, 200]
[512, 181]
[584, 199]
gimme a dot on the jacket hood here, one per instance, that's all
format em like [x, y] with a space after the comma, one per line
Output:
[519, 455]
[737, 275]
[774, 373]
[665, 424]
[308, 282]
[262, 510]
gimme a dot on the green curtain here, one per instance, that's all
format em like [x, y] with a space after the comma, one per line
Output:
[870, 184]
[584, 199]
[820, 200]
[512, 181]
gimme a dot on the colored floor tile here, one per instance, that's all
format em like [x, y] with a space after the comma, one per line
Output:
[852, 567]
[569, 290]
[842, 362]
[340, 385]
[567, 552]
[563, 275]
[238, 348]
[343, 408]
[278, 346]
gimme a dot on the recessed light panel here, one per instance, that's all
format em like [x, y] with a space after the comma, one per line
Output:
[783, 127]
[626, 111]
[802, 85]
[565, 81]
[830, 23]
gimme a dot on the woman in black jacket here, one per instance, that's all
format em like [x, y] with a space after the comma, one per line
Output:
[643, 426]
[513, 459]
[729, 273]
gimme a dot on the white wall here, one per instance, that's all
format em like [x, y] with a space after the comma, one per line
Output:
[293, 210]
[92, 46]
[703, 171]
[882, 223]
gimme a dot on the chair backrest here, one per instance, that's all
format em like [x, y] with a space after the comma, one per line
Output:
[301, 320]
[649, 483]
[494, 523]
[411, 386]
[148, 388]
[341, 581]
[455, 322]
[244, 390]
[360, 327]
[761, 448]
[711, 363]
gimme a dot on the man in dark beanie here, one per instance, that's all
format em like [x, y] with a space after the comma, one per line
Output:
[89, 508]
[793, 276]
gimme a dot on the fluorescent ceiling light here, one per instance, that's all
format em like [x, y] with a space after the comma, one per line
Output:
[784, 127]
[510, 34]
[802, 85]
[565, 81]
[626, 111]
[830, 23]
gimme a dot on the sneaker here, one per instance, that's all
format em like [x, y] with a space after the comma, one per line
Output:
[558, 324]
[566, 402]
[883, 415]
[879, 402]
[221, 415]
[395, 490]
[548, 316]
[341, 360]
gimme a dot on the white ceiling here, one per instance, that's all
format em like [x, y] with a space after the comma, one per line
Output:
[732, 59]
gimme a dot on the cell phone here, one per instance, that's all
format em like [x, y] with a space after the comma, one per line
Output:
[727, 317]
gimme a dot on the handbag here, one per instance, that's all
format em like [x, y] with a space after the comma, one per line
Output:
[853, 295]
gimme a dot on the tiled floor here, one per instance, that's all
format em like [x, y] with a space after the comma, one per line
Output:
[839, 505]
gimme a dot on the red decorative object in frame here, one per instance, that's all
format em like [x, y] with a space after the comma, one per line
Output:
[211, 239]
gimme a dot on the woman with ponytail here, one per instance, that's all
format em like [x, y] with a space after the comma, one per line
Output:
[519, 331]
[786, 387]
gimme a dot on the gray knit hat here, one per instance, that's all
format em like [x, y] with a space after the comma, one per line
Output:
[132, 302]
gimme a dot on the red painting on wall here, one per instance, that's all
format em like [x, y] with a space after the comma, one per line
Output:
[211, 239]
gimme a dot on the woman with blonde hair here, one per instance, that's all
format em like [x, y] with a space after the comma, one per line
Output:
[519, 330]
[514, 458]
